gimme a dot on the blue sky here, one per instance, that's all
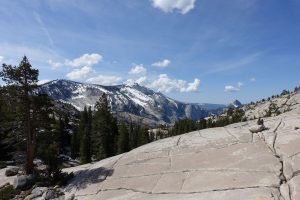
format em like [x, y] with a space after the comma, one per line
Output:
[192, 50]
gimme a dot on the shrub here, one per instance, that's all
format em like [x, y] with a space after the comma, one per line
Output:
[8, 192]
[2, 164]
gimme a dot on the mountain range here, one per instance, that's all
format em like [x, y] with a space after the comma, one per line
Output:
[129, 101]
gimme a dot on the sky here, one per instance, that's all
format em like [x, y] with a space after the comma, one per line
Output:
[211, 51]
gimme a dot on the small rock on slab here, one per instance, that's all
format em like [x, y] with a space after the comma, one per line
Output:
[31, 197]
[50, 194]
[23, 181]
[11, 171]
[257, 129]
[39, 191]
[72, 197]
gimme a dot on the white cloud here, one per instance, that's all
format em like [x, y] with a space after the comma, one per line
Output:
[104, 80]
[252, 79]
[129, 81]
[192, 87]
[41, 82]
[162, 64]
[166, 84]
[183, 6]
[81, 74]
[84, 70]
[141, 81]
[230, 88]
[54, 65]
[84, 60]
[138, 69]
[240, 84]
[1, 58]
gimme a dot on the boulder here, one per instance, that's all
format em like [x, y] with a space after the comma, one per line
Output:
[40, 166]
[23, 181]
[50, 194]
[72, 197]
[31, 197]
[257, 129]
[39, 190]
[10, 162]
[11, 171]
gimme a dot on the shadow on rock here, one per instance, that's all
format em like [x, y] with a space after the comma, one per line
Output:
[84, 178]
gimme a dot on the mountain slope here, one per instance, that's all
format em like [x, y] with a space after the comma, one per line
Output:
[132, 101]
[272, 106]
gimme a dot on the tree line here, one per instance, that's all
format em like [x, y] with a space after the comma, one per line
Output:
[103, 136]
[187, 125]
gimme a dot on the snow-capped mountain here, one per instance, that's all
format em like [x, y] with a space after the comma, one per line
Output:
[128, 101]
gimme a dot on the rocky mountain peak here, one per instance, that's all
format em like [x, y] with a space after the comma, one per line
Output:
[235, 104]
[139, 101]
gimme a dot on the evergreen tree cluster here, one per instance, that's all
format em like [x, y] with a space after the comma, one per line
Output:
[101, 135]
[25, 120]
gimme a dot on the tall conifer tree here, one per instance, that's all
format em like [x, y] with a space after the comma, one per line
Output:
[23, 79]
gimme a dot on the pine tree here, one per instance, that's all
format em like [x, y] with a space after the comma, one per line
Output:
[75, 143]
[123, 139]
[85, 135]
[7, 141]
[48, 137]
[143, 136]
[104, 129]
[133, 136]
[23, 79]
[62, 125]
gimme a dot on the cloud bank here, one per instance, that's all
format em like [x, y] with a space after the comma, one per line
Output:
[138, 69]
[84, 60]
[162, 64]
[104, 80]
[166, 84]
[230, 88]
[82, 73]
[182, 6]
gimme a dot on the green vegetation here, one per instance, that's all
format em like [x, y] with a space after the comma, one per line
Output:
[21, 81]
[8, 192]
[27, 121]
[188, 125]
[2, 165]
[85, 128]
